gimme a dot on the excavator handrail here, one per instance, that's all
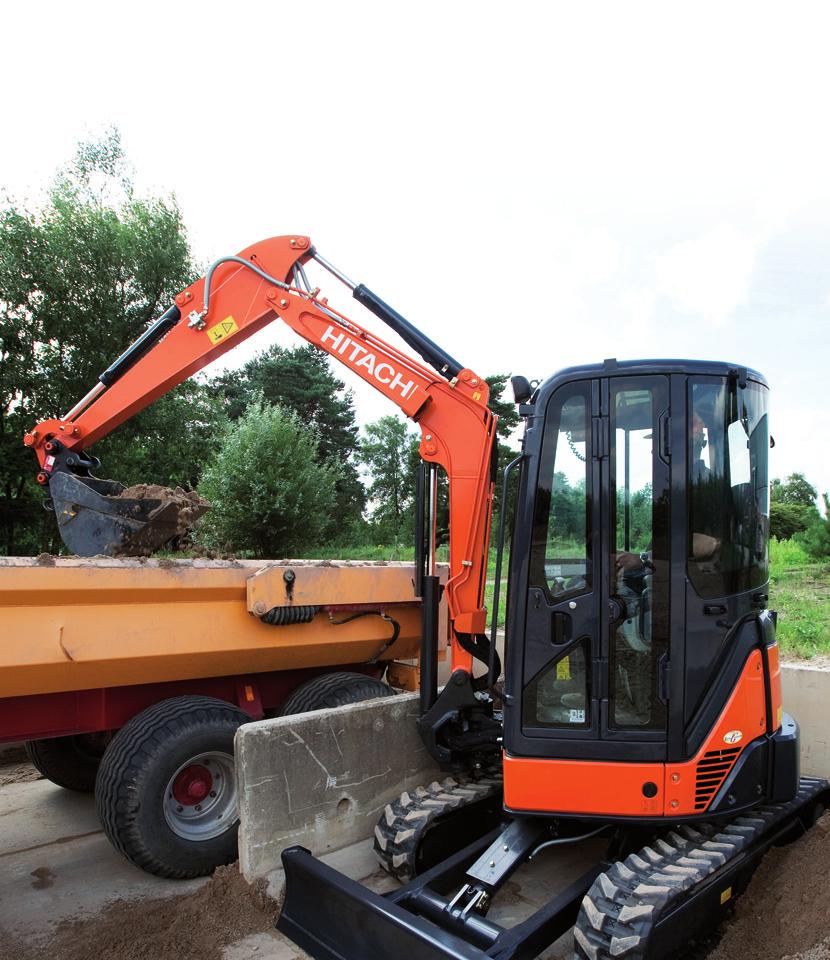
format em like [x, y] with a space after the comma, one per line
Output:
[240, 295]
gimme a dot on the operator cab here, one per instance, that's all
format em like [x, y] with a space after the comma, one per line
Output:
[640, 564]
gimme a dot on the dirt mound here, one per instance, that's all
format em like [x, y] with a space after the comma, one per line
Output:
[193, 927]
[189, 504]
[785, 912]
[22, 772]
[176, 513]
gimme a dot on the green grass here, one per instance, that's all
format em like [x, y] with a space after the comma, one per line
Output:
[370, 552]
[800, 592]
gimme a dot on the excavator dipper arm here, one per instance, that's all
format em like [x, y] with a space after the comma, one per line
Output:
[238, 296]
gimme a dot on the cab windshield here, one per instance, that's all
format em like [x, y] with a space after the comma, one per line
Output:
[728, 486]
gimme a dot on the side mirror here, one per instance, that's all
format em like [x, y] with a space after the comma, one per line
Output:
[522, 390]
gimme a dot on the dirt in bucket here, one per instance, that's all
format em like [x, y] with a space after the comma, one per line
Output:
[178, 510]
[190, 504]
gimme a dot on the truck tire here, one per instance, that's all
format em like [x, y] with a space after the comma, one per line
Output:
[166, 790]
[334, 690]
[70, 762]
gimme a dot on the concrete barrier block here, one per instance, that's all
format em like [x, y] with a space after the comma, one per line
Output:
[806, 691]
[321, 779]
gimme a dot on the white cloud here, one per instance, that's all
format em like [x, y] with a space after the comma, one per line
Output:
[708, 276]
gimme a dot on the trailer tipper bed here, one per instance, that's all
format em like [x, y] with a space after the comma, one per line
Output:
[130, 677]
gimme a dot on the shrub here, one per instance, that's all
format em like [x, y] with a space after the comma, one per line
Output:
[270, 497]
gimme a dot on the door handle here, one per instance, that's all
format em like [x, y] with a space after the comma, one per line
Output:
[616, 610]
[561, 628]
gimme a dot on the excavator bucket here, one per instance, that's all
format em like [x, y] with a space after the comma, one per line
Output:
[103, 517]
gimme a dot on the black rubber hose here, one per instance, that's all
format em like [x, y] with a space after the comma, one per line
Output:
[286, 616]
[396, 628]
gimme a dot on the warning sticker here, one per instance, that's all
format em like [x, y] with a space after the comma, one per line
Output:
[563, 669]
[222, 329]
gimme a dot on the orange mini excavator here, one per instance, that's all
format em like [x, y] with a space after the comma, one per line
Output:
[642, 694]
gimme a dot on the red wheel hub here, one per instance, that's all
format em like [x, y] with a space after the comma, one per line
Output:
[192, 785]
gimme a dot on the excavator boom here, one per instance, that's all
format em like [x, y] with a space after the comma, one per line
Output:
[238, 296]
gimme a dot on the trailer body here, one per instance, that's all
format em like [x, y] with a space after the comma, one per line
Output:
[86, 642]
[99, 654]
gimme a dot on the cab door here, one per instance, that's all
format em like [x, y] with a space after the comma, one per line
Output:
[596, 623]
[560, 694]
[636, 564]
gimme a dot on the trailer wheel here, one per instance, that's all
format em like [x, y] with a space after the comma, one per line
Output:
[166, 790]
[334, 690]
[70, 762]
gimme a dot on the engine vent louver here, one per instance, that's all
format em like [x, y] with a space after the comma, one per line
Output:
[711, 772]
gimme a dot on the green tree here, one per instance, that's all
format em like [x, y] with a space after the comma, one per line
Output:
[508, 416]
[301, 380]
[390, 451]
[792, 506]
[169, 442]
[81, 276]
[270, 495]
[788, 519]
[503, 408]
[387, 452]
[795, 489]
[816, 539]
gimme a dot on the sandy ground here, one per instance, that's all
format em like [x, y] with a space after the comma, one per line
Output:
[67, 894]
[785, 911]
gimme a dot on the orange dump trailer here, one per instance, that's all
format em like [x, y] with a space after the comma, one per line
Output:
[129, 677]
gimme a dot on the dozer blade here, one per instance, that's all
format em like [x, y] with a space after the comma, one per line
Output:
[647, 907]
[334, 918]
[95, 519]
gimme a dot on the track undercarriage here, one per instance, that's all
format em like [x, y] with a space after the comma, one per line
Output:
[641, 901]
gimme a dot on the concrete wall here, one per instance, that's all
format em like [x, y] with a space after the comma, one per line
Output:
[321, 779]
[807, 698]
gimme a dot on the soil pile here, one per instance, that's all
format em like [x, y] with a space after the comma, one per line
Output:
[176, 513]
[189, 504]
[785, 911]
[17, 769]
[193, 927]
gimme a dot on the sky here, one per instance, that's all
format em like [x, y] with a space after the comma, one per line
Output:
[535, 185]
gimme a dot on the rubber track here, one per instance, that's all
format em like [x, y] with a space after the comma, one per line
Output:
[314, 694]
[144, 736]
[405, 822]
[623, 905]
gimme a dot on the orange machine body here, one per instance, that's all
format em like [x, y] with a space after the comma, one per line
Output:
[616, 789]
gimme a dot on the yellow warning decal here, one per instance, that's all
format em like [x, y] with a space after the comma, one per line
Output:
[725, 895]
[222, 329]
[563, 669]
